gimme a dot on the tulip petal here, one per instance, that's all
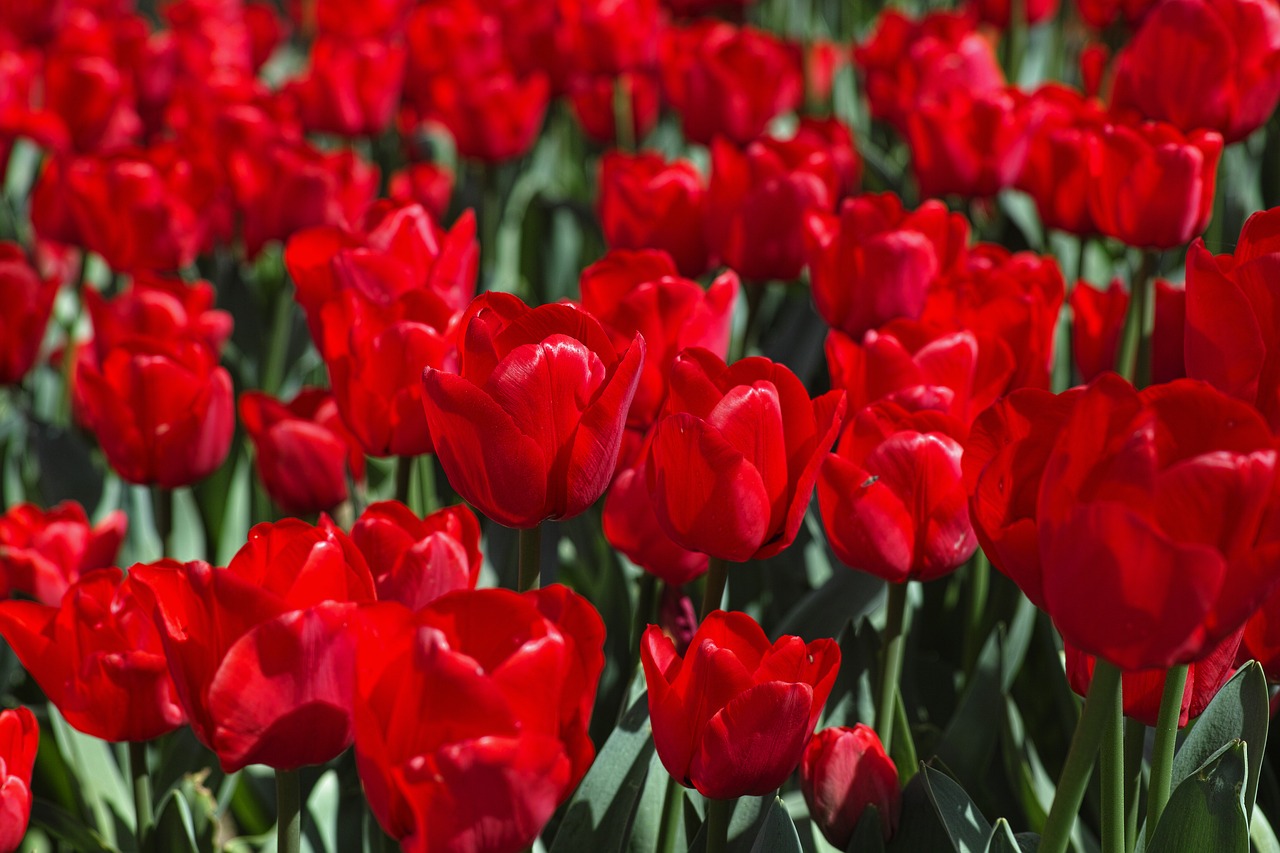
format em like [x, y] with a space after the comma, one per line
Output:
[751, 746]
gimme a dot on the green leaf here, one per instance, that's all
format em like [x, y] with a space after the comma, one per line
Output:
[648, 817]
[100, 783]
[1206, 811]
[868, 836]
[323, 807]
[1031, 782]
[847, 595]
[748, 819]
[175, 828]
[1241, 710]
[970, 737]
[601, 811]
[967, 829]
[851, 700]
[778, 834]
[66, 827]
[1003, 840]
[1261, 835]
[919, 828]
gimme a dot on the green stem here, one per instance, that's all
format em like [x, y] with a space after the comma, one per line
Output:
[530, 558]
[717, 825]
[891, 672]
[278, 343]
[672, 806]
[404, 474]
[288, 812]
[427, 483]
[717, 577]
[979, 589]
[1135, 736]
[141, 792]
[644, 612]
[1133, 360]
[1112, 768]
[162, 513]
[1098, 706]
[1175, 685]
[623, 124]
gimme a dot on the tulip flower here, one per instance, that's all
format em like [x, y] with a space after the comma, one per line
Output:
[302, 450]
[1233, 318]
[1203, 65]
[416, 560]
[728, 81]
[501, 687]
[352, 87]
[427, 184]
[26, 301]
[19, 740]
[156, 308]
[648, 203]
[531, 427]
[757, 201]
[1152, 187]
[972, 145]
[843, 771]
[263, 651]
[98, 657]
[891, 496]
[163, 412]
[43, 552]
[731, 717]
[1142, 689]
[1056, 173]
[631, 526]
[874, 261]
[736, 453]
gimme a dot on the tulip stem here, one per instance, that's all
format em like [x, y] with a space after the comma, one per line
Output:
[278, 342]
[427, 483]
[895, 641]
[1133, 360]
[1098, 708]
[623, 123]
[672, 806]
[1175, 686]
[404, 474]
[1112, 769]
[288, 812]
[978, 587]
[1135, 736]
[717, 825]
[162, 514]
[717, 576]
[530, 558]
[141, 791]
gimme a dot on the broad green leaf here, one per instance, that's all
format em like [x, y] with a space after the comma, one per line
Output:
[175, 828]
[65, 827]
[322, 809]
[868, 835]
[1261, 835]
[100, 784]
[748, 819]
[821, 613]
[919, 828]
[648, 817]
[1241, 710]
[604, 805]
[967, 829]
[778, 834]
[1003, 840]
[1206, 810]
[970, 738]
[1031, 783]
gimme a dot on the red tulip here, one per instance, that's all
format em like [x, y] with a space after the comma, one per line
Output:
[736, 454]
[352, 87]
[44, 552]
[89, 95]
[157, 309]
[427, 184]
[19, 740]
[26, 301]
[631, 526]
[1152, 186]
[891, 495]
[875, 262]
[263, 651]
[302, 450]
[351, 18]
[634, 293]
[471, 716]
[732, 717]
[648, 203]
[1098, 319]
[163, 412]
[593, 101]
[416, 560]
[1233, 317]
[728, 81]
[757, 201]
[267, 30]
[1203, 65]
[1162, 504]
[532, 426]
[908, 62]
[972, 145]
[1056, 173]
[952, 372]
[1143, 689]
[834, 137]
[843, 771]
[97, 657]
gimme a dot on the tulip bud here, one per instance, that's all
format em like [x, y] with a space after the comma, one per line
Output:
[843, 771]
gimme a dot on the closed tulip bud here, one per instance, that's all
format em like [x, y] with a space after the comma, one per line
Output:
[843, 771]
[19, 740]
[26, 301]
[732, 716]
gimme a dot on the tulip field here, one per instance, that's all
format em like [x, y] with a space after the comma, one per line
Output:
[639, 426]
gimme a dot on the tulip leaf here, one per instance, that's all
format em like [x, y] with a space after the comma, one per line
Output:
[1031, 782]
[748, 818]
[1261, 835]
[1003, 840]
[852, 697]
[100, 782]
[643, 837]
[175, 828]
[919, 828]
[868, 835]
[967, 829]
[1206, 810]
[323, 806]
[778, 834]
[67, 469]
[969, 739]
[1241, 710]
[821, 613]
[599, 816]
[65, 827]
